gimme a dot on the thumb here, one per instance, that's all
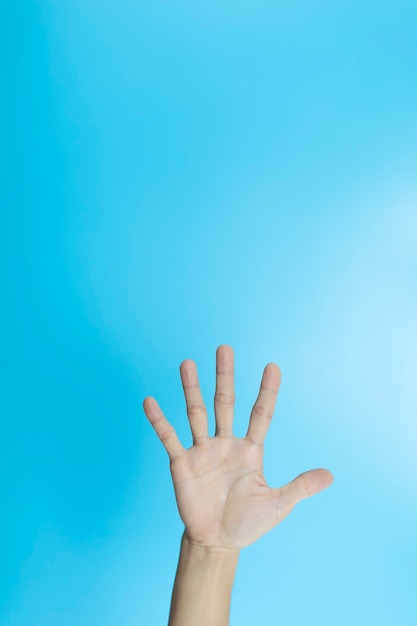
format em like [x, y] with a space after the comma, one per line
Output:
[303, 486]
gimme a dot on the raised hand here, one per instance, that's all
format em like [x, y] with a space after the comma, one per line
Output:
[222, 495]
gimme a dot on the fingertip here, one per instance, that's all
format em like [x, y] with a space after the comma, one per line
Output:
[322, 479]
[224, 346]
[146, 402]
[326, 473]
[273, 372]
[277, 367]
[225, 351]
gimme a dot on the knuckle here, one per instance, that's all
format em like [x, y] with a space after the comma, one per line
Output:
[223, 397]
[224, 432]
[196, 409]
[262, 411]
[166, 434]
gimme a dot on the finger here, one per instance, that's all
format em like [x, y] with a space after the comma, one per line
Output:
[264, 406]
[164, 430]
[303, 486]
[196, 410]
[224, 398]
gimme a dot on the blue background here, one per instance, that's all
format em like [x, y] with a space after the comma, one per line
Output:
[176, 176]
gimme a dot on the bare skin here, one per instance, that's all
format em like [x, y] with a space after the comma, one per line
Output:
[221, 492]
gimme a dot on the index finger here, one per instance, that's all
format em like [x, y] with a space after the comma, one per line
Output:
[164, 430]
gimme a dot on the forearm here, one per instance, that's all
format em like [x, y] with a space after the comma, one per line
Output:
[203, 586]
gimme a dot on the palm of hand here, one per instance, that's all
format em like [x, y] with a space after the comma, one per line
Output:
[222, 495]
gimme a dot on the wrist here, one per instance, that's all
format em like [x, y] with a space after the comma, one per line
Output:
[205, 551]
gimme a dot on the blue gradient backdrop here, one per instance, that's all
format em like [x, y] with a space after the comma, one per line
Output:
[176, 176]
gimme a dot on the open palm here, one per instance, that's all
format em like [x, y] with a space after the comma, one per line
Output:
[222, 495]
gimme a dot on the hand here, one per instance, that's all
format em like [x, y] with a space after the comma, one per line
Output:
[222, 495]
